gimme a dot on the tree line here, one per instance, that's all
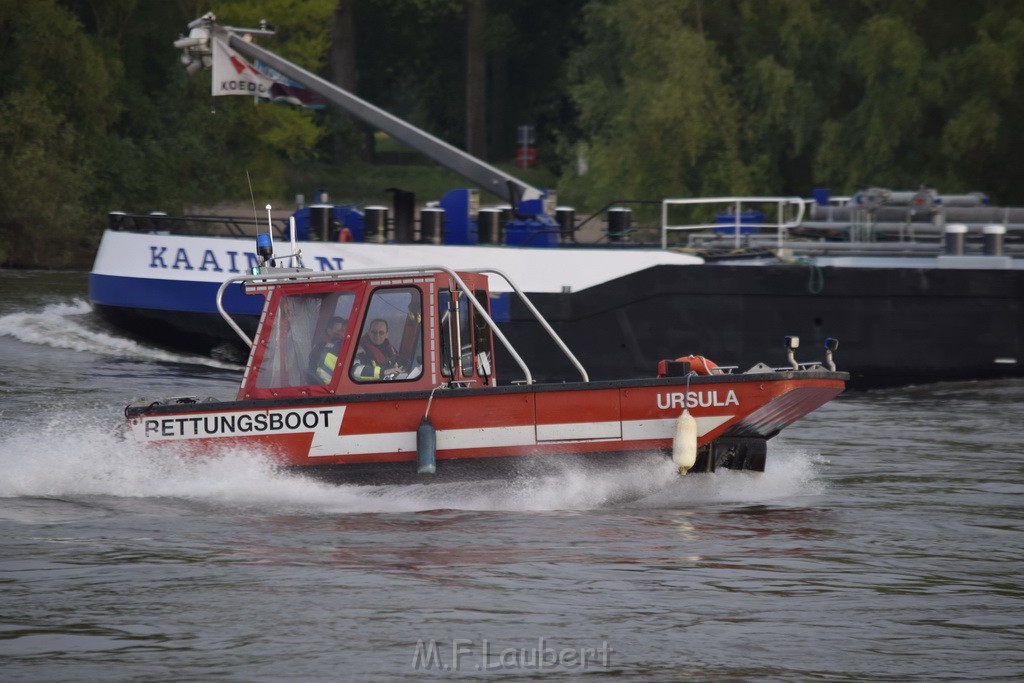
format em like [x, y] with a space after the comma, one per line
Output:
[629, 98]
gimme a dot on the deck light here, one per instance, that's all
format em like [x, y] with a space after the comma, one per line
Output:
[792, 342]
[831, 344]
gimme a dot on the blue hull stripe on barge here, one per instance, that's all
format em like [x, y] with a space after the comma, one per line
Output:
[169, 295]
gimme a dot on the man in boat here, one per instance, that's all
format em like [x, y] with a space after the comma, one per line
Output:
[325, 358]
[376, 358]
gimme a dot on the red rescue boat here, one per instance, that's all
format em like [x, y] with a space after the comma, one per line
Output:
[391, 376]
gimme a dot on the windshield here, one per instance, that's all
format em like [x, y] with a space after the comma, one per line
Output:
[305, 328]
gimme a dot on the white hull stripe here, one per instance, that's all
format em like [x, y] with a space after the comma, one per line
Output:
[327, 442]
[507, 437]
[576, 431]
[635, 430]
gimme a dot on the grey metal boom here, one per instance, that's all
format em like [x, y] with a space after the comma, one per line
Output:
[486, 176]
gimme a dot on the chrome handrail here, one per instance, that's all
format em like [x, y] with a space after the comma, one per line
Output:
[271, 279]
[781, 204]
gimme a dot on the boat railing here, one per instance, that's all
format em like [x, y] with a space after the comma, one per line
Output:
[789, 213]
[537, 315]
[158, 222]
[293, 275]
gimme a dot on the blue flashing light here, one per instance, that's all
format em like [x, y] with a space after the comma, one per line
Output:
[264, 245]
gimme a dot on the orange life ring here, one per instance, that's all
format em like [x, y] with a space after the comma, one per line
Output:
[701, 365]
[345, 235]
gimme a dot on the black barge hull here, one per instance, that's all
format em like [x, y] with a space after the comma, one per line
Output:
[896, 326]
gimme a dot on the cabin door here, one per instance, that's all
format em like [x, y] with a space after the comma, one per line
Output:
[466, 339]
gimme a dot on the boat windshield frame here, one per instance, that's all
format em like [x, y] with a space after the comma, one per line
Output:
[261, 282]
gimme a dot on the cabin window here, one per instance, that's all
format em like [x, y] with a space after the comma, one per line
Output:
[482, 337]
[456, 332]
[391, 341]
[329, 337]
[304, 341]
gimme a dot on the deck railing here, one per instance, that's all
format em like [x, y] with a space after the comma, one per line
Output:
[789, 212]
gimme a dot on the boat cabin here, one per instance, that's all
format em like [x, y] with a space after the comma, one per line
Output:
[348, 333]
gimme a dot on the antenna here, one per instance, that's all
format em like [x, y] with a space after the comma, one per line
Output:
[265, 247]
[252, 197]
[296, 252]
[270, 229]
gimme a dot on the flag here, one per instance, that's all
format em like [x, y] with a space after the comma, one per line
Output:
[232, 75]
[287, 90]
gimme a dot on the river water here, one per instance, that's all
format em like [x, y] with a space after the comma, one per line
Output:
[885, 541]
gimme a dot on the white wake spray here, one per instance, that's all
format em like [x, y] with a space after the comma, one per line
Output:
[71, 326]
[86, 457]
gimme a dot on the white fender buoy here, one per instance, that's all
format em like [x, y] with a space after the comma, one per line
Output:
[684, 444]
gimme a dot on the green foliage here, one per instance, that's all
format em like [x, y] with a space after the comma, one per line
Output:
[55, 109]
[983, 105]
[411, 62]
[779, 96]
[96, 114]
[301, 26]
[654, 101]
